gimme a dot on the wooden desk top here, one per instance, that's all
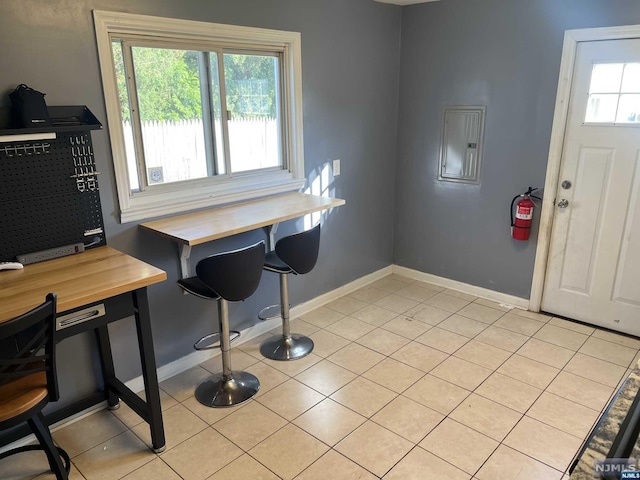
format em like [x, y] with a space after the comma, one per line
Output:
[214, 223]
[77, 280]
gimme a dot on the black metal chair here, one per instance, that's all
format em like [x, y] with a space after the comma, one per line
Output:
[297, 254]
[28, 379]
[226, 277]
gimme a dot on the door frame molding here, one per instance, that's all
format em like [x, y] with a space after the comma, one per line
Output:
[560, 116]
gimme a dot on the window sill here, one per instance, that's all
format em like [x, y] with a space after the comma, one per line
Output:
[145, 207]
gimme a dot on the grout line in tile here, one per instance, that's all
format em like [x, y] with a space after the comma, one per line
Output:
[527, 411]
[522, 453]
[264, 439]
[312, 463]
[591, 379]
[104, 440]
[172, 469]
[246, 452]
[354, 461]
[480, 467]
[558, 396]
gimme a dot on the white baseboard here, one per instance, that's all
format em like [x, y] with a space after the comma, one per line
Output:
[350, 287]
[481, 292]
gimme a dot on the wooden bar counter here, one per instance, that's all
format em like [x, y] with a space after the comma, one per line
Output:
[195, 228]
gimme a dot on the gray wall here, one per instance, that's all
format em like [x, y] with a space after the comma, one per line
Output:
[350, 55]
[504, 54]
[501, 53]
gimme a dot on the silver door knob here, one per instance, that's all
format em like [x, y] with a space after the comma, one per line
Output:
[563, 203]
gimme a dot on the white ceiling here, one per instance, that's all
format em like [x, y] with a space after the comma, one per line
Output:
[405, 2]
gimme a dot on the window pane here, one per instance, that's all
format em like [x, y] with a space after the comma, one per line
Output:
[251, 83]
[125, 115]
[216, 110]
[601, 108]
[629, 109]
[606, 78]
[631, 78]
[168, 88]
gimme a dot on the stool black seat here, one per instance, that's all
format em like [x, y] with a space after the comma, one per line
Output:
[227, 277]
[296, 254]
[28, 380]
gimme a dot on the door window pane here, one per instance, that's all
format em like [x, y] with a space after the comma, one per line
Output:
[170, 108]
[631, 78]
[606, 78]
[629, 109]
[253, 109]
[602, 108]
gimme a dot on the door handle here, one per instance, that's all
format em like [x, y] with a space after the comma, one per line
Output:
[64, 321]
[563, 203]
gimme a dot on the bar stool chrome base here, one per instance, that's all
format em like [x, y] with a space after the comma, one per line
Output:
[221, 391]
[290, 347]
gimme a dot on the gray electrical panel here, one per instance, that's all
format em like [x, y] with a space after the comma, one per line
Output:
[461, 147]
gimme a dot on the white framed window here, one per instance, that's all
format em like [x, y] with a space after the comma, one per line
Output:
[200, 114]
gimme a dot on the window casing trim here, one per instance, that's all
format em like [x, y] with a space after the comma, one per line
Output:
[210, 191]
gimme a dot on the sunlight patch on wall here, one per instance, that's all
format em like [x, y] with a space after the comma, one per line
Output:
[321, 184]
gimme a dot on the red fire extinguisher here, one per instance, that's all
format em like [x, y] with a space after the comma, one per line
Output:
[521, 221]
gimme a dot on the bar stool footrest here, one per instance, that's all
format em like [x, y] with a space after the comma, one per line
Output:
[272, 311]
[280, 347]
[233, 335]
[221, 391]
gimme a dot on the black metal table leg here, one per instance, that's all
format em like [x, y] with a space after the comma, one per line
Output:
[106, 362]
[148, 360]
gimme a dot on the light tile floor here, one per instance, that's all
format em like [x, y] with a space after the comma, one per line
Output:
[407, 381]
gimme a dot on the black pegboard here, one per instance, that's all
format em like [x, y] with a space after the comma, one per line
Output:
[49, 195]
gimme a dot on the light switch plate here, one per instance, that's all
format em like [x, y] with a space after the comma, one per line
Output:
[336, 168]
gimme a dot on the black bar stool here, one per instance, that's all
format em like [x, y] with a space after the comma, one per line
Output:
[295, 254]
[226, 277]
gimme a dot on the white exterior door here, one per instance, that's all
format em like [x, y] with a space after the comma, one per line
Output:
[593, 271]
